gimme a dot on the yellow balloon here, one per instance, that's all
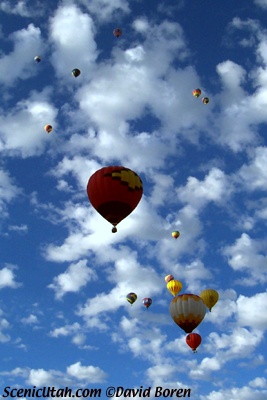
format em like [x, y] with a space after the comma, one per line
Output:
[174, 287]
[210, 297]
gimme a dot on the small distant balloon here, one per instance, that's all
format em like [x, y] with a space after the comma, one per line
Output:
[76, 72]
[175, 234]
[193, 340]
[205, 100]
[196, 93]
[117, 32]
[131, 297]
[37, 59]
[169, 278]
[147, 302]
[48, 128]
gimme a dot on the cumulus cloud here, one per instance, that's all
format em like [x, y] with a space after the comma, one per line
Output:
[22, 127]
[72, 44]
[73, 279]
[251, 311]
[19, 64]
[7, 278]
[86, 373]
[248, 255]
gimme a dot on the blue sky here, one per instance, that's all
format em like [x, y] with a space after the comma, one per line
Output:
[64, 318]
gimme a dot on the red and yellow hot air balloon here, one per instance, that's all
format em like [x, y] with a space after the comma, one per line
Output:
[175, 234]
[193, 340]
[196, 92]
[187, 311]
[48, 128]
[174, 286]
[210, 297]
[114, 192]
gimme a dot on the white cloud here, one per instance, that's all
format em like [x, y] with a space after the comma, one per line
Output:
[254, 175]
[236, 393]
[261, 3]
[30, 320]
[215, 187]
[22, 127]
[71, 46]
[105, 10]
[8, 191]
[21, 8]
[88, 373]
[248, 255]
[19, 63]
[251, 311]
[7, 278]
[73, 279]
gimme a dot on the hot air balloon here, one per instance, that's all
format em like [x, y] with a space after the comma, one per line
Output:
[147, 302]
[187, 311]
[76, 72]
[193, 340]
[175, 234]
[205, 100]
[174, 287]
[131, 297]
[48, 128]
[210, 297]
[196, 93]
[114, 192]
[37, 59]
[117, 32]
[168, 278]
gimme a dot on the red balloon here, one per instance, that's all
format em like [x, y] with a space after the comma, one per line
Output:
[193, 340]
[114, 192]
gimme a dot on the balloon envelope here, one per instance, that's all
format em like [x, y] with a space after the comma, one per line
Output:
[131, 297]
[187, 311]
[196, 93]
[76, 72]
[175, 234]
[48, 128]
[114, 192]
[147, 302]
[193, 340]
[169, 278]
[117, 32]
[174, 286]
[210, 297]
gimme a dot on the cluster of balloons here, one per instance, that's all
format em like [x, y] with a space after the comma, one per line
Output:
[197, 92]
[75, 72]
[132, 297]
[188, 310]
